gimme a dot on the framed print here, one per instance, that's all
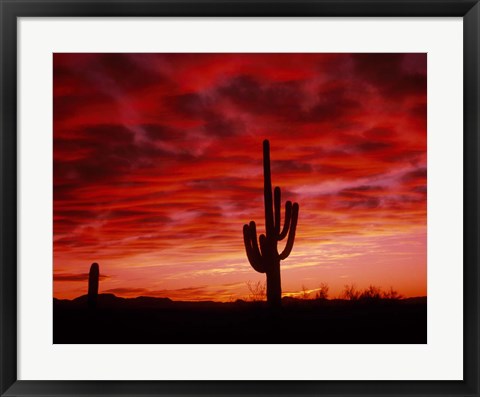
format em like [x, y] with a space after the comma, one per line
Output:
[232, 198]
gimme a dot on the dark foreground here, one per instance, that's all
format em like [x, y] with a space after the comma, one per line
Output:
[160, 320]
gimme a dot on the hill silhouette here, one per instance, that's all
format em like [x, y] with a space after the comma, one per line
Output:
[163, 321]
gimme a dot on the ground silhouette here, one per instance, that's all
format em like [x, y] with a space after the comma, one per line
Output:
[163, 321]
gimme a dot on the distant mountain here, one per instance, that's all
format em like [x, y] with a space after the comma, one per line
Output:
[112, 301]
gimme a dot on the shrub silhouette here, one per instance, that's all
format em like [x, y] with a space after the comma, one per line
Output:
[371, 293]
[256, 291]
[323, 291]
[391, 294]
[266, 259]
[350, 292]
[305, 292]
[93, 277]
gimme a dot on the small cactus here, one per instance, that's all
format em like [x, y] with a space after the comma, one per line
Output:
[266, 259]
[93, 285]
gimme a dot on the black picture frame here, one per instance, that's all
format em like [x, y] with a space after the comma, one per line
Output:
[10, 10]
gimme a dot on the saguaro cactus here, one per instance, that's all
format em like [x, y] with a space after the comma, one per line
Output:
[266, 259]
[93, 277]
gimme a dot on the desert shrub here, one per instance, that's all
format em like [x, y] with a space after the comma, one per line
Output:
[350, 292]
[391, 294]
[322, 291]
[257, 291]
[370, 293]
[305, 292]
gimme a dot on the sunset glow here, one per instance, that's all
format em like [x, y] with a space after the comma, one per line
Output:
[158, 165]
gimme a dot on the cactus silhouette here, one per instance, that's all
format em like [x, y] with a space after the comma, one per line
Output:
[266, 259]
[93, 285]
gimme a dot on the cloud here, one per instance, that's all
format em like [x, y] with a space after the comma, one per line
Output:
[360, 202]
[75, 277]
[289, 100]
[121, 71]
[364, 189]
[217, 293]
[379, 133]
[396, 76]
[420, 189]
[290, 166]
[192, 105]
[417, 175]
[366, 147]
[126, 291]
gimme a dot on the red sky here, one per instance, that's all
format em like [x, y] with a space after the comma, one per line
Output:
[158, 165]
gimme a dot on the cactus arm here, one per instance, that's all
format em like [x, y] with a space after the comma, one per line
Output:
[276, 203]
[267, 189]
[288, 217]
[291, 234]
[253, 239]
[251, 248]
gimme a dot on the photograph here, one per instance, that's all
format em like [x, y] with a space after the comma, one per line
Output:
[223, 198]
[239, 198]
